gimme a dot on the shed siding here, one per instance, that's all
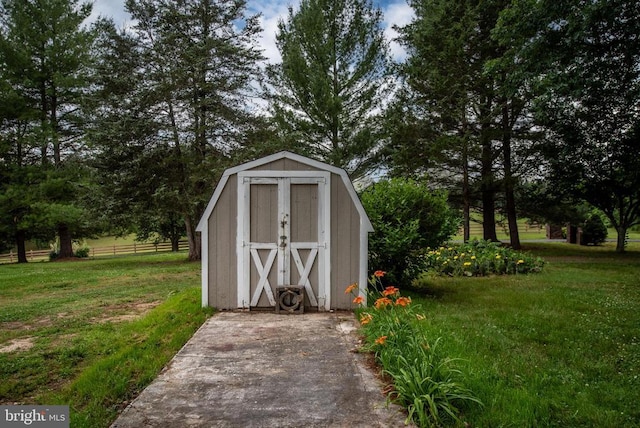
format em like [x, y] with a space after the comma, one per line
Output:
[345, 244]
[223, 290]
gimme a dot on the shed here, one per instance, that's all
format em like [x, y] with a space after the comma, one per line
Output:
[283, 220]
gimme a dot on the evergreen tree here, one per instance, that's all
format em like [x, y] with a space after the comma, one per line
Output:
[45, 52]
[175, 93]
[329, 90]
[467, 117]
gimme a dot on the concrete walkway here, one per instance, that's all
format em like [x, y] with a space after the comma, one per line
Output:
[266, 370]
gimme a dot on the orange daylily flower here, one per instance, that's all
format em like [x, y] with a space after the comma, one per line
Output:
[403, 301]
[358, 300]
[350, 288]
[381, 340]
[382, 302]
[390, 291]
[379, 273]
[365, 318]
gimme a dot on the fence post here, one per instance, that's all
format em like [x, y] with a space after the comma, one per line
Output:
[31, 254]
[11, 256]
[134, 248]
[114, 250]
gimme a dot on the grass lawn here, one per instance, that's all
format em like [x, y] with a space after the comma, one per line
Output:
[560, 348]
[93, 333]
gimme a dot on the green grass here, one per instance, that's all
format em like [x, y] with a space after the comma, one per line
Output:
[560, 348]
[109, 241]
[100, 330]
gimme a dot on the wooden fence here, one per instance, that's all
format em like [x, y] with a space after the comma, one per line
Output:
[112, 250]
[475, 228]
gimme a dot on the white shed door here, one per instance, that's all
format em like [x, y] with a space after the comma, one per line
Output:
[283, 230]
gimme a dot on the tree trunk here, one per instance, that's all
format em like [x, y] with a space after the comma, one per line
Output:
[66, 246]
[175, 244]
[512, 217]
[194, 240]
[487, 186]
[466, 193]
[622, 238]
[487, 189]
[20, 244]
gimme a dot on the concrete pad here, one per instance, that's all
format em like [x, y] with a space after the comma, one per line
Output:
[266, 370]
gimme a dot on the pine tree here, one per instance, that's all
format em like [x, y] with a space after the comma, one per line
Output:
[45, 52]
[466, 114]
[582, 60]
[183, 75]
[329, 91]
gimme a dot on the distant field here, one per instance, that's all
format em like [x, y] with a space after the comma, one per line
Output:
[526, 231]
[103, 241]
[106, 241]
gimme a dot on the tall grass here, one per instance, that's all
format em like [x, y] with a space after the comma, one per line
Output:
[425, 380]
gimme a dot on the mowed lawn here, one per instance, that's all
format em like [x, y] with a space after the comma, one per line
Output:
[93, 333]
[560, 348]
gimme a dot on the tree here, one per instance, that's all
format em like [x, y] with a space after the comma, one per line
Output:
[174, 104]
[470, 109]
[433, 133]
[329, 90]
[454, 99]
[45, 55]
[583, 60]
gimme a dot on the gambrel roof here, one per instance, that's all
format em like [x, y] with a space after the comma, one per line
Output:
[366, 223]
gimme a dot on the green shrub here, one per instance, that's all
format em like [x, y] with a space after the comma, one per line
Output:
[82, 252]
[406, 217]
[424, 381]
[480, 258]
[594, 231]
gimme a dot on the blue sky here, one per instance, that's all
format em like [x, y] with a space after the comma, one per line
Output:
[396, 12]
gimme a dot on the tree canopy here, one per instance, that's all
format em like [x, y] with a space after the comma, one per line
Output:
[173, 107]
[582, 60]
[499, 102]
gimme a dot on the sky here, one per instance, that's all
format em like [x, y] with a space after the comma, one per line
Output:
[395, 12]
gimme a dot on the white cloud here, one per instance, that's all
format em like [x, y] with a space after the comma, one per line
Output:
[271, 13]
[110, 9]
[396, 14]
